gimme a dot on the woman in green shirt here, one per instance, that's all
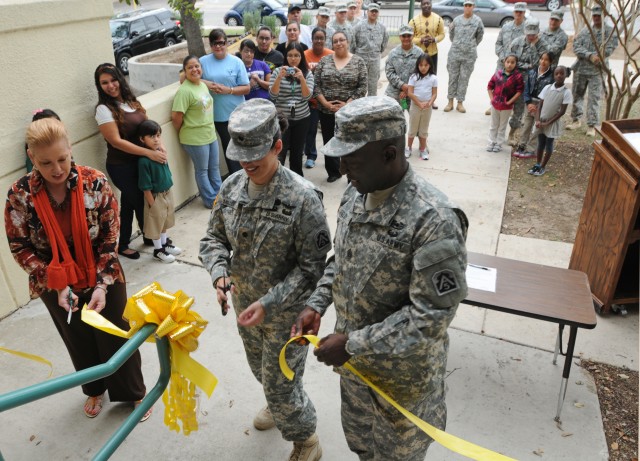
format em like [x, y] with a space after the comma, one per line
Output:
[192, 116]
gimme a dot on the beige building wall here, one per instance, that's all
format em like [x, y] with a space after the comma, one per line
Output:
[49, 50]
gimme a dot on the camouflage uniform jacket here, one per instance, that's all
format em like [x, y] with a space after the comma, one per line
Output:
[399, 66]
[583, 47]
[369, 40]
[463, 34]
[276, 245]
[344, 27]
[528, 54]
[557, 43]
[508, 33]
[396, 279]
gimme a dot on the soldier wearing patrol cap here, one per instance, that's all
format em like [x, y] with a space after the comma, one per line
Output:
[370, 38]
[352, 13]
[340, 23]
[401, 62]
[555, 36]
[396, 278]
[322, 22]
[267, 240]
[588, 69]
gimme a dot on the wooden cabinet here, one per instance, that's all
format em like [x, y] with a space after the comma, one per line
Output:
[607, 242]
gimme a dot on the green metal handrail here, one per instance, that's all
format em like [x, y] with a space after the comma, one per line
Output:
[53, 386]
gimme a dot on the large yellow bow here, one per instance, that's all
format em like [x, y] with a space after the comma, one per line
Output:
[449, 441]
[175, 320]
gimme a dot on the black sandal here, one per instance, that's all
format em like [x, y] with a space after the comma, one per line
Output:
[134, 255]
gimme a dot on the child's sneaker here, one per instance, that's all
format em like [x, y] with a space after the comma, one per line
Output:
[540, 172]
[163, 256]
[424, 154]
[490, 146]
[534, 169]
[407, 152]
[497, 147]
[170, 248]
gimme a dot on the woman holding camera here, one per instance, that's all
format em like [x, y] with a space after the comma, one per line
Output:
[290, 88]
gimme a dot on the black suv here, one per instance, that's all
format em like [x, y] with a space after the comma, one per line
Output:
[140, 32]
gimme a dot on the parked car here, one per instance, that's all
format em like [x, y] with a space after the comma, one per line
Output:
[548, 4]
[494, 13]
[233, 17]
[141, 32]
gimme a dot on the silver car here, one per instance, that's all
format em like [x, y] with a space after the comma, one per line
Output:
[494, 13]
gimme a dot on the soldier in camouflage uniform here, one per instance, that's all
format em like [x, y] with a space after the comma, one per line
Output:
[352, 15]
[340, 23]
[370, 38]
[509, 32]
[401, 63]
[322, 22]
[555, 36]
[588, 70]
[396, 279]
[466, 32]
[528, 50]
[268, 235]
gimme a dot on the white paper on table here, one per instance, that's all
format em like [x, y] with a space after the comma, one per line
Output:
[481, 277]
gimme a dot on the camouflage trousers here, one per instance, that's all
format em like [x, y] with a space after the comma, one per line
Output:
[373, 75]
[459, 74]
[528, 125]
[376, 431]
[582, 83]
[518, 110]
[292, 410]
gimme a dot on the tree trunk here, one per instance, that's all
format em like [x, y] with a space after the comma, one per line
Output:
[191, 27]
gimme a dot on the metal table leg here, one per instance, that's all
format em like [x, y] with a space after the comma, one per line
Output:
[558, 345]
[573, 331]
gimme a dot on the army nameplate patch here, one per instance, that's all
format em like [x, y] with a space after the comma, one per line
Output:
[444, 282]
[322, 239]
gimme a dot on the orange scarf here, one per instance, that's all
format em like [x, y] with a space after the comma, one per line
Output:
[80, 273]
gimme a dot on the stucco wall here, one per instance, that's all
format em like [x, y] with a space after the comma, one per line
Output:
[49, 50]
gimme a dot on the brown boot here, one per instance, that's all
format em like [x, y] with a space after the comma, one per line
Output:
[460, 108]
[449, 106]
[488, 111]
[514, 135]
[309, 450]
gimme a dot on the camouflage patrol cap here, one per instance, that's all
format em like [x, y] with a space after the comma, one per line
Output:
[596, 10]
[373, 7]
[324, 11]
[405, 30]
[557, 14]
[365, 120]
[469, 2]
[532, 26]
[520, 6]
[251, 126]
[341, 8]
[352, 4]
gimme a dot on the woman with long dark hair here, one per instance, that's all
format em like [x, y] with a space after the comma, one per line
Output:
[118, 114]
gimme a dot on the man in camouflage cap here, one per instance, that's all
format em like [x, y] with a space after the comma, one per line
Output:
[370, 38]
[555, 36]
[340, 23]
[528, 50]
[396, 278]
[401, 62]
[588, 70]
[322, 22]
[352, 13]
[466, 32]
[268, 239]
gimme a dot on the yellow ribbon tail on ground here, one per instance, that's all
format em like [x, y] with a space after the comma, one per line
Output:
[172, 315]
[35, 358]
[448, 441]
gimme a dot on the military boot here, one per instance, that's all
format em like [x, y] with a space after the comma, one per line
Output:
[514, 134]
[264, 420]
[574, 125]
[309, 450]
[460, 108]
[449, 106]
[591, 131]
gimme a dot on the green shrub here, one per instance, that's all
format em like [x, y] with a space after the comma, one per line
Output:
[273, 23]
[251, 21]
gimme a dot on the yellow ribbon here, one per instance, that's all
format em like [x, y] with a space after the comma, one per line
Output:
[175, 320]
[35, 358]
[448, 441]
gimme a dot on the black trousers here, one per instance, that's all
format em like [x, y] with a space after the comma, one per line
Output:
[327, 126]
[293, 140]
[89, 346]
[434, 58]
[223, 133]
[125, 178]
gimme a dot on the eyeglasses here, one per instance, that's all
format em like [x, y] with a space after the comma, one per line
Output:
[264, 39]
[319, 39]
[339, 40]
[219, 44]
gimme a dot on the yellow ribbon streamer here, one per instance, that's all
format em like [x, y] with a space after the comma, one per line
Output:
[448, 441]
[175, 320]
[35, 358]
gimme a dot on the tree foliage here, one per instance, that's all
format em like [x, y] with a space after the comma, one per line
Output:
[624, 17]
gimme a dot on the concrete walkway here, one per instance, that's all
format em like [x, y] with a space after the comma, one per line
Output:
[502, 385]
